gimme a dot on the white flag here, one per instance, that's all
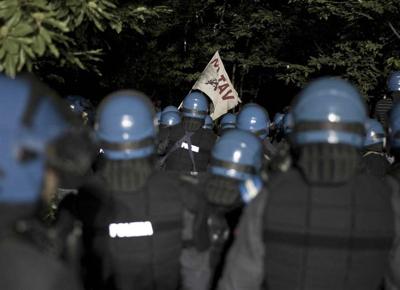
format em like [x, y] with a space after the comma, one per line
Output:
[215, 83]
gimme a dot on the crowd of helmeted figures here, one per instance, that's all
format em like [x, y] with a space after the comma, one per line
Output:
[124, 198]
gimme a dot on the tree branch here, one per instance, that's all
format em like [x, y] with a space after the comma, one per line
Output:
[394, 30]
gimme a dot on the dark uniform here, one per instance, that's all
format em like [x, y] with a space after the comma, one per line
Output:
[300, 235]
[231, 183]
[175, 149]
[269, 149]
[34, 122]
[323, 224]
[132, 226]
[393, 277]
[223, 212]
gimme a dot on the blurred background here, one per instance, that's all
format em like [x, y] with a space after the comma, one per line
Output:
[270, 48]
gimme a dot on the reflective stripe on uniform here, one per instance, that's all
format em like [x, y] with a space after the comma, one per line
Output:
[194, 148]
[129, 230]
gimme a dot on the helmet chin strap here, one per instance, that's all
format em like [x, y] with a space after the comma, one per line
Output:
[126, 175]
[223, 191]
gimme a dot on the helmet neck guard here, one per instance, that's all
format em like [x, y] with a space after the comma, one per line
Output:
[192, 124]
[126, 175]
[324, 164]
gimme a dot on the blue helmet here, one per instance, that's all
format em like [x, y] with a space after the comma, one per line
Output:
[374, 133]
[237, 154]
[31, 119]
[394, 126]
[208, 123]
[228, 121]
[255, 119]
[170, 109]
[329, 110]
[170, 118]
[125, 125]
[278, 119]
[195, 105]
[393, 82]
[287, 123]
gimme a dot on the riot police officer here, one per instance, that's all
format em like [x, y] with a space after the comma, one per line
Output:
[170, 118]
[324, 224]
[393, 279]
[276, 128]
[84, 109]
[282, 159]
[233, 180]
[228, 121]
[384, 105]
[187, 147]
[374, 157]
[394, 142]
[255, 119]
[393, 86]
[287, 125]
[32, 124]
[132, 215]
[208, 123]
[170, 108]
